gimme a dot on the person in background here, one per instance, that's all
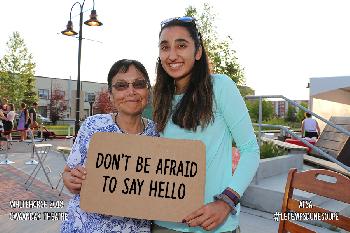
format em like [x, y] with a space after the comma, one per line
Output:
[7, 124]
[8, 127]
[2, 139]
[129, 86]
[309, 127]
[33, 124]
[23, 121]
[191, 103]
[5, 106]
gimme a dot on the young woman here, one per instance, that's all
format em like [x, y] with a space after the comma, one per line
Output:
[23, 121]
[129, 86]
[309, 127]
[2, 139]
[3, 114]
[8, 127]
[191, 103]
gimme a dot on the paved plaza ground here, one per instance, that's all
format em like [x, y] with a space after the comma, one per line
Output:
[12, 187]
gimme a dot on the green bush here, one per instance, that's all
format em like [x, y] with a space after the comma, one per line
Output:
[270, 150]
[280, 121]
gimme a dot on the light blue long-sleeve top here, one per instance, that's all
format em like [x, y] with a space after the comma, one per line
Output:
[231, 122]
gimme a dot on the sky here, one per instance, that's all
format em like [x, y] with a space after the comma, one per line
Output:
[280, 43]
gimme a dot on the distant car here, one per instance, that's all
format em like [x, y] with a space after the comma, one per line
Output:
[40, 119]
[43, 120]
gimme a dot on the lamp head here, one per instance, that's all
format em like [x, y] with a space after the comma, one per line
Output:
[69, 30]
[93, 21]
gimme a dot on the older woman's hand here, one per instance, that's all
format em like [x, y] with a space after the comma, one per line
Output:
[209, 216]
[73, 178]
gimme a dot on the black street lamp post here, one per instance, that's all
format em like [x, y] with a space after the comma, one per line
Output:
[70, 32]
[91, 102]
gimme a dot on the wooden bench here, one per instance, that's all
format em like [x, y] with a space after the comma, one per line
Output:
[334, 142]
[291, 148]
[326, 164]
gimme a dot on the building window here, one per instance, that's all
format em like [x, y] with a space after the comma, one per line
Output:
[43, 94]
[90, 97]
[59, 92]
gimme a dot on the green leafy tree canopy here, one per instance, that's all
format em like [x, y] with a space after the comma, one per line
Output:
[291, 114]
[253, 107]
[222, 57]
[17, 72]
[300, 114]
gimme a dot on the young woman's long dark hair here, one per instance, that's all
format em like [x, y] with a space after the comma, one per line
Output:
[196, 106]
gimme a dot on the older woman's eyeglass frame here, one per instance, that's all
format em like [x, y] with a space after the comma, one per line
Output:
[137, 84]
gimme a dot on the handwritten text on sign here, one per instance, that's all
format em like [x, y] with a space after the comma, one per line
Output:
[144, 177]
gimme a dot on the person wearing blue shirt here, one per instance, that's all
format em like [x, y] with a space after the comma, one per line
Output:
[191, 103]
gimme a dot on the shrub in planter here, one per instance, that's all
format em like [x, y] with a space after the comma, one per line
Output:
[270, 150]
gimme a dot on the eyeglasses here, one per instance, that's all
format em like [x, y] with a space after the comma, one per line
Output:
[184, 19]
[137, 84]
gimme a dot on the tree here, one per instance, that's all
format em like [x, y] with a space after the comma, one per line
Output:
[253, 107]
[222, 57]
[17, 72]
[58, 105]
[245, 90]
[291, 114]
[300, 114]
[102, 102]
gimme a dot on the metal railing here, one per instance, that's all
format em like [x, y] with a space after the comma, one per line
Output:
[315, 148]
[285, 129]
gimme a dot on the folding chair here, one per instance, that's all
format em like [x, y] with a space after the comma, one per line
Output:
[6, 160]
[41, 151]
[316, 181]
[64, 151]
[32, 161]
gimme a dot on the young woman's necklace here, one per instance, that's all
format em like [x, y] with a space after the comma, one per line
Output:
[122, 131]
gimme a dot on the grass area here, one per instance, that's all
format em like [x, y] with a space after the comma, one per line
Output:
[61, 130]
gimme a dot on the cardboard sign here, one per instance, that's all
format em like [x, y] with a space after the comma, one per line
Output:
[143, 177]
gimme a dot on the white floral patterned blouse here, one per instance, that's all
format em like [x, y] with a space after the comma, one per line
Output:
[80, 221]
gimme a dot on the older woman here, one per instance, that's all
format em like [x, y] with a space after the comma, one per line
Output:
[128, 85]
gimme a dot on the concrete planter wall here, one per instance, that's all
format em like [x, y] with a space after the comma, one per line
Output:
[266, 191]
[278, 165]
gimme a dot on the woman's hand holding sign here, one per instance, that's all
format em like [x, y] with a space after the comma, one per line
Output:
[208, 216]
[73, 178]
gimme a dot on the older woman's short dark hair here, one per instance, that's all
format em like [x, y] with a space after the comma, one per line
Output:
[122, 66]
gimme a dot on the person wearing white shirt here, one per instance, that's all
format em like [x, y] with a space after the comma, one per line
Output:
[309, 127]
[2, 116]
[8, 127]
